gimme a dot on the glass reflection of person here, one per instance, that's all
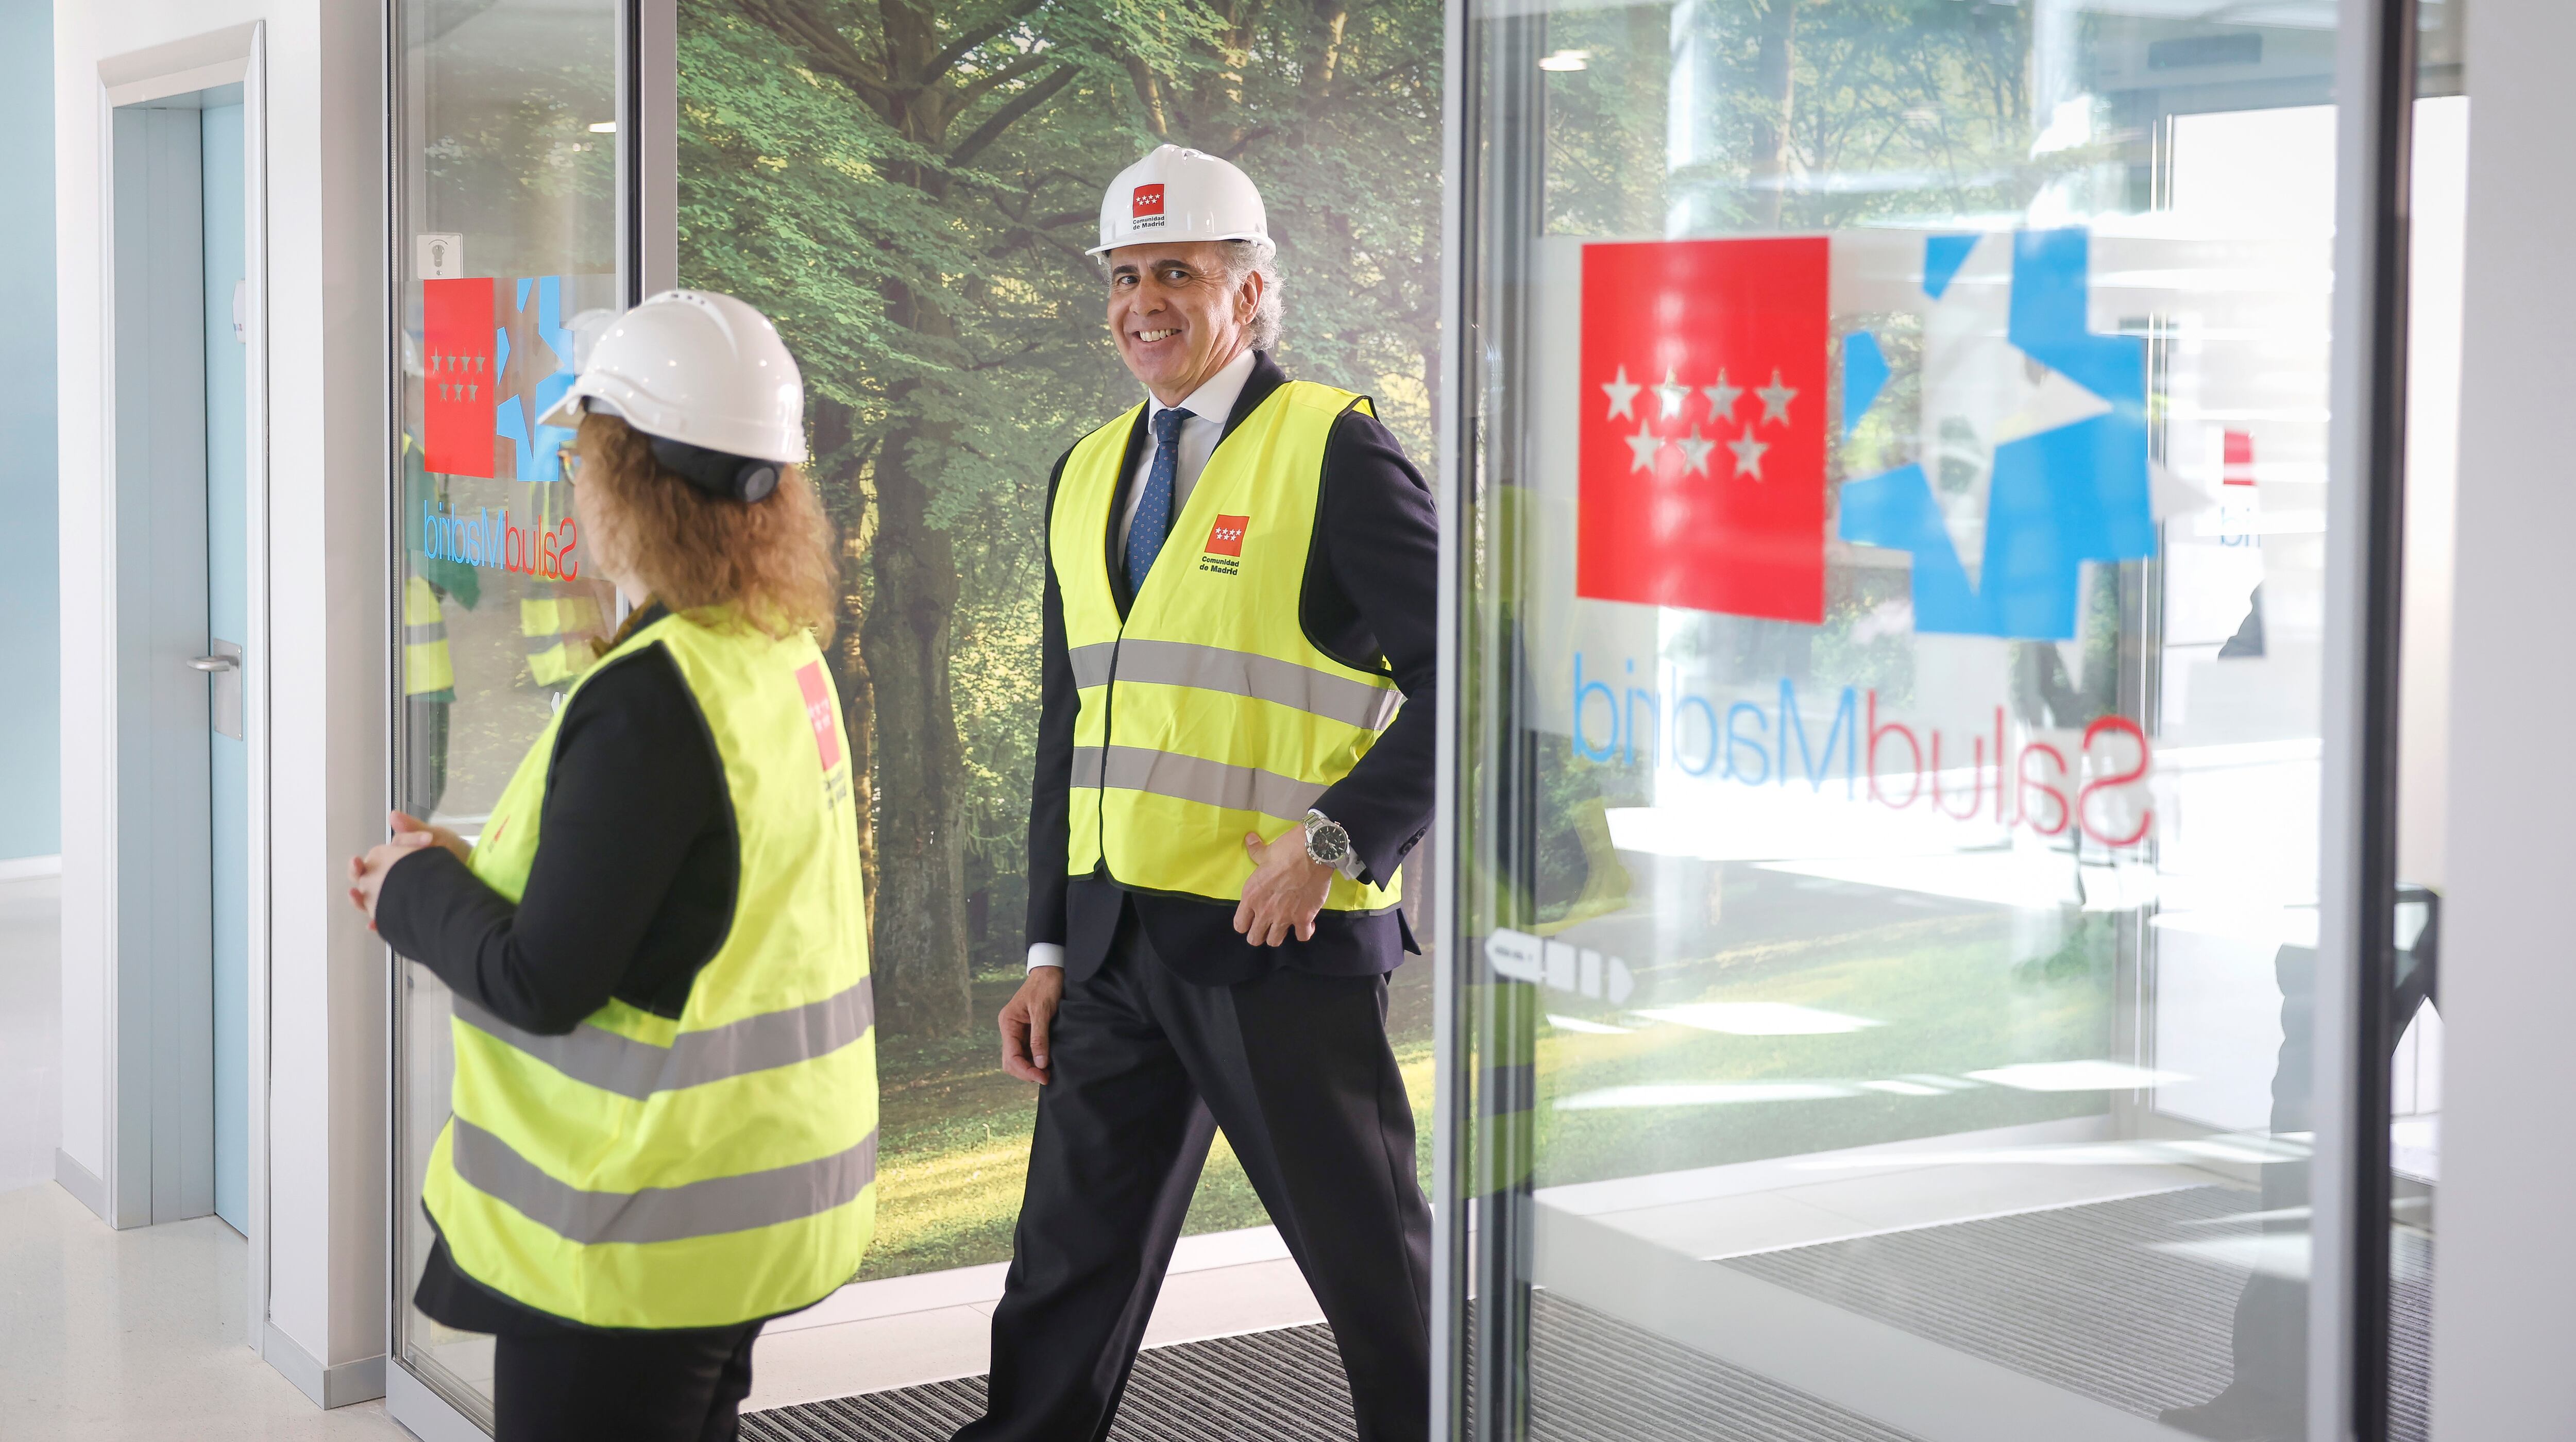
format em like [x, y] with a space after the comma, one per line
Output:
[429, 667]
[664, 1128]
[2265, 1399]
[433, 580]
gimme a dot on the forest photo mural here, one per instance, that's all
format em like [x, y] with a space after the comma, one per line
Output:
[908, 188]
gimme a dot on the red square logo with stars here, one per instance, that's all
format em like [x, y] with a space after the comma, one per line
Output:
[818, 712]
[1702, 437]
[459, 376]
[1226, 537]
[1149, 200]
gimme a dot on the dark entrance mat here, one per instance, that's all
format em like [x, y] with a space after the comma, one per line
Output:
[2079, 1297]
[1597, 1380]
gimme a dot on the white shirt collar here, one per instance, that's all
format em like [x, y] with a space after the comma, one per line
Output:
[1214, 400]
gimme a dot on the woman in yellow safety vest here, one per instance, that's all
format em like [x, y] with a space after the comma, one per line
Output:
[665, 1108]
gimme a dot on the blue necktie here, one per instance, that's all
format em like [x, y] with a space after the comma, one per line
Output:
[1154, 508]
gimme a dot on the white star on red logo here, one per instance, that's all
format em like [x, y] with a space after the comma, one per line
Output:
[1748, 454]
[1672, 393]
[1642, 447]
[1775, 399]
[1623, 395]
[1721, 397]
[1695, 452]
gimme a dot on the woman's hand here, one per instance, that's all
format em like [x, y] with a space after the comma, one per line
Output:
[367, 873]
[403, 824]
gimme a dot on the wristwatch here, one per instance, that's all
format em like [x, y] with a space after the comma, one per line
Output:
[1327, 842]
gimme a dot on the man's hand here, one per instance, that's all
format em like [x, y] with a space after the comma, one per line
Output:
[1026, 1019]
[1286, 890]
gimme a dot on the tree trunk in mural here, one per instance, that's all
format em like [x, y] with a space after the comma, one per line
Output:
[920, 951]
[1776, 66]
[930, 261]
[904, 651]
[840, 476]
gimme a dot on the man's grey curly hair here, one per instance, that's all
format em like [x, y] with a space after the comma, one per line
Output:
[1261, 258]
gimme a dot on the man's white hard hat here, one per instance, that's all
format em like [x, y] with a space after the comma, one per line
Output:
[1176, 194]
[696, 367]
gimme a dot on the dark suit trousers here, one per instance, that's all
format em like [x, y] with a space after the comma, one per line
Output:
[1146, 1066]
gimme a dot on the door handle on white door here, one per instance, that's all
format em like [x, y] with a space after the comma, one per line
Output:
[222, 665]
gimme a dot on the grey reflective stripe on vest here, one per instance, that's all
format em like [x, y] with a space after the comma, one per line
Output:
[1194, 778]
[660, 1214]
[638, 1069]
[1091, 664]
[423, 635]
[1240, 673]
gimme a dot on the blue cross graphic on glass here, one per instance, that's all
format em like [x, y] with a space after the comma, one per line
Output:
[2062, 495]
[1154, 508]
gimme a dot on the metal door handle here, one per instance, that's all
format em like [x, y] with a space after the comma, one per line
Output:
[212, 664]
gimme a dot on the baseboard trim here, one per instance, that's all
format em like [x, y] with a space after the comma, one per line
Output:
[20, 868]
[423, 1413]
[327, 1387]
[84, 1186]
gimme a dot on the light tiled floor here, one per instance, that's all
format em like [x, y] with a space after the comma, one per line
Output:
[1827, 1196]
[30, 1013]
[107, 1336]
[877, 1335]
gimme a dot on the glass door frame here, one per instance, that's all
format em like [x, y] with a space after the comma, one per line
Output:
[647, 209]
[2348, 1326]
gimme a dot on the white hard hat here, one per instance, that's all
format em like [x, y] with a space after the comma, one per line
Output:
[699, 368]
[1176, 194]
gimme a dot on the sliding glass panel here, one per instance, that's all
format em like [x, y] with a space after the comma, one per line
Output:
[507, 239]
[2437, 234]
[909, 189]
[1894, 607]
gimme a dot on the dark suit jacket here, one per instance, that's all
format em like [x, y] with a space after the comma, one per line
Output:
[1372, 589]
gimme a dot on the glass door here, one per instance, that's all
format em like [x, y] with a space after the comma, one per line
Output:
[1892, 688]
[509, 236]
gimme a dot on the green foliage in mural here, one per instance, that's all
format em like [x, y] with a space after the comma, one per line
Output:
[907, 188]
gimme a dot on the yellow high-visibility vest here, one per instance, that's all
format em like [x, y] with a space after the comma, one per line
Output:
[427, 670]
[1206, 712]
[558, 630]
[718, 1166]
[557, 625]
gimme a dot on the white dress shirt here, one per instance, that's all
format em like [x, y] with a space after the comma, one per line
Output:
[1208, 406]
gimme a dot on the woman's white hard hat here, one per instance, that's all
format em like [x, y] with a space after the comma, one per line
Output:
[697, 367]
[1176, 194]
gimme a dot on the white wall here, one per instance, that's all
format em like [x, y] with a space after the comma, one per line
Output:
[30, 743]
[2505, 1284]
[325, 1212]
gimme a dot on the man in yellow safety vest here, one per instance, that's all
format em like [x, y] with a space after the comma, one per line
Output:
[1236, 749]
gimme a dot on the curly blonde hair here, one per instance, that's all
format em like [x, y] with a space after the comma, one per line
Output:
[766, 564]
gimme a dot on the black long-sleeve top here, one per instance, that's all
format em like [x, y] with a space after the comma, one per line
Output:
[1371, 590]
[631, 892]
